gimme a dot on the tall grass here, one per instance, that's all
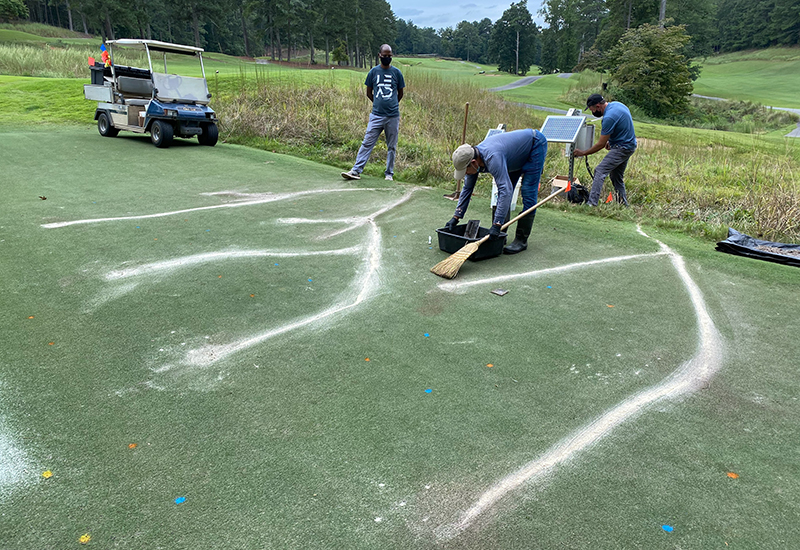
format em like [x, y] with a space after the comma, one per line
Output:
[698, 181]
[326, 121]
[31, 59]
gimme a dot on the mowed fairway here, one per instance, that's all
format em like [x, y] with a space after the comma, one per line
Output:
[228, 348]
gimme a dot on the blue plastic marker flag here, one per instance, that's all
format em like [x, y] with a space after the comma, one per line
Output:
[276, 264]
[310, 281]
[667, 528]
[427, 335]
[428, 390]
[180, 500]
[207, 230]
[549, 287]
[102, 47]
[138, 227]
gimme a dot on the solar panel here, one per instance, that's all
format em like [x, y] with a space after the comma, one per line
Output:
[562, 129]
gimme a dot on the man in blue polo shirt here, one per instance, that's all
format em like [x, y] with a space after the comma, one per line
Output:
[506, 157]
[616, 135]
[385, 90]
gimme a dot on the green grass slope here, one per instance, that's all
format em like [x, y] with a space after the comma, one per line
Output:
[770, 77]
[296, 440]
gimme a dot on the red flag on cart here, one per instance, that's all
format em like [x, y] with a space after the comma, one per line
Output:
[91, 61]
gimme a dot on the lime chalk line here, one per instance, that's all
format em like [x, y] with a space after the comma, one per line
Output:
[264, 200]
[195, 259]
[689, 377]
[456, 286]
[363, 288]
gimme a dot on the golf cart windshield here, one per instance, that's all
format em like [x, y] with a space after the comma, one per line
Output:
[171, 87]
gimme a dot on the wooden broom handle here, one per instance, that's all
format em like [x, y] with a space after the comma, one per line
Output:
[464, 131]
[523, 214]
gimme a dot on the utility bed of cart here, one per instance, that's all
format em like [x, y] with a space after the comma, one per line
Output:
[145, 100]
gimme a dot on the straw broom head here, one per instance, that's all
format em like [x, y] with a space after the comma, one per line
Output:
[449, 268]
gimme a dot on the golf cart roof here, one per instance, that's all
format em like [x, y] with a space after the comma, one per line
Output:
[156, 46]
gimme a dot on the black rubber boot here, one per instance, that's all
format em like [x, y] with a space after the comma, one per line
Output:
[521, 240]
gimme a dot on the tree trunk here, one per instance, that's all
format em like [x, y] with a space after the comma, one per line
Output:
[149, 32]
[630, 9]
[83, 20]
[662, 13]
[311, 41]
[327, 48]
[244, 32]
[109, 27]
[196, 25]
[69, 13]
[288, 35]
[278, 40]
[58, 16]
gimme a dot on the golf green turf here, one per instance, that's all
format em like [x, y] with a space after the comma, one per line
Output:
[246, 389]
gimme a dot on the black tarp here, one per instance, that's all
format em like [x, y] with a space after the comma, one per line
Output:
[745, 245]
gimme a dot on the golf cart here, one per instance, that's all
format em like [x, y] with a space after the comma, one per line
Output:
[143, 100]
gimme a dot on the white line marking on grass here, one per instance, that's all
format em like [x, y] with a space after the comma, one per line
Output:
[690, 376]
[363, 286]
[358, 222]
[13, 461]
[188, 261]
[457, 286]
[264, 200]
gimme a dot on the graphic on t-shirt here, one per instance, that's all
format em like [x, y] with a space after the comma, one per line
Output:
[384, 89]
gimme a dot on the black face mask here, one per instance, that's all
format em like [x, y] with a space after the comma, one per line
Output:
[386, 60]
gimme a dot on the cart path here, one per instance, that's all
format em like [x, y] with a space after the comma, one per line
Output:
[262, 199]
[517, 83]
[687, 378]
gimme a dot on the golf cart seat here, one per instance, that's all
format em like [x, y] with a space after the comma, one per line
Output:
[135, 86]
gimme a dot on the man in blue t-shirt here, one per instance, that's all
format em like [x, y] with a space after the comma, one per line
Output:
[616, 135]
[385, 90]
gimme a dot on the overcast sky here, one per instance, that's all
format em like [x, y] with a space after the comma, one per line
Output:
[448, 13]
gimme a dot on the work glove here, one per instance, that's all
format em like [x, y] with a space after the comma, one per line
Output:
[449, 226]
[494, 232]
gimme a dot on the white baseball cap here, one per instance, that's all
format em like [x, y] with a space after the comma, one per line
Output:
[461, 159]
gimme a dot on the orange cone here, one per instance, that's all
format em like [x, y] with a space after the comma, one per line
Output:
[609, 198]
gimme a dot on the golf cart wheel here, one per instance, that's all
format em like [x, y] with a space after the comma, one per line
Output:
[209, 136]
[104, 126]
[161, 133]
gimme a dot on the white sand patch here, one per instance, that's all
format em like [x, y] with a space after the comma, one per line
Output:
[14, 464]
[262, 200]
[461, 286]
[195, 259]
[689, 377]
[108, 295]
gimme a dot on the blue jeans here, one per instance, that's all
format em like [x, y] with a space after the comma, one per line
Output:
[390, 126]
[612, 165]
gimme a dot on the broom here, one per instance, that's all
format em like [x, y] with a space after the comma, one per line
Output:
[449, 268]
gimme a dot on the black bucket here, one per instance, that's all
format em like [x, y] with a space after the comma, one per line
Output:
[453, 242]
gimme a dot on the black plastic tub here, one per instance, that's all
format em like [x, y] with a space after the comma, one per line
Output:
[455, 240]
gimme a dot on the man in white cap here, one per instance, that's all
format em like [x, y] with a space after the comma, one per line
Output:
[505, 156]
